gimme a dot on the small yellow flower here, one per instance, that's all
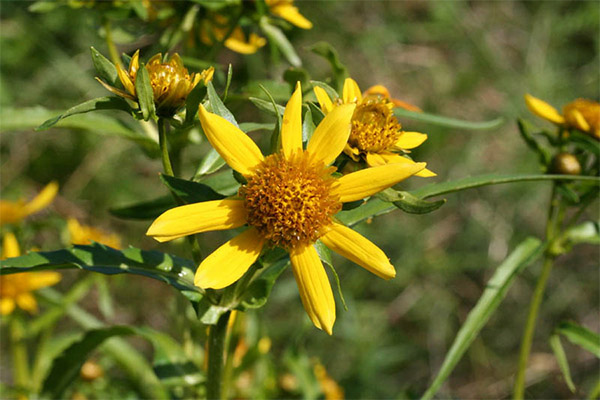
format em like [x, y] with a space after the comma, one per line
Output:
[377, 136]
[329, 387]
[285, 9]
[216, 28]
[580, 114]
[15, 289]
[289, 201]
[171, 83]
[82, 234]
[12, 212]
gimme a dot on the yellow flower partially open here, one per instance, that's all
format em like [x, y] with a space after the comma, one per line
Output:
[289, 201]
[12, 212]
[171, 82]
[15, 289]
[83, 234]
[377, 136]
[286, 10]
[580, 114]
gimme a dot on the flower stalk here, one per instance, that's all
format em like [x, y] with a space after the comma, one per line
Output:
[216, 359]
[164, 147]
[19, 352]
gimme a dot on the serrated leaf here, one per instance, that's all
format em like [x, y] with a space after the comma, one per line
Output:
[448, 122]
[581, 336]
[144, 210]
[144, 92]
[100, 103]
[409, 203]
[525, 254]
[216, 105]
[104, 67]
[267, 106]
[276, 36]
[190, 191]
[561, 359]
[327, 51]
[175, 271]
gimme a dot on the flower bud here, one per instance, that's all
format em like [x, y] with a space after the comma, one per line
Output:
[566, 164]
[90, 371]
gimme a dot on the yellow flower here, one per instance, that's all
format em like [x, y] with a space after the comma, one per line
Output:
[286, 10]
[580, 114]
[329, 387]
[289, 201]
[171, 83]
[82, 234]
[15, 289]
[377, 136]
[12, 212]
[216, 28]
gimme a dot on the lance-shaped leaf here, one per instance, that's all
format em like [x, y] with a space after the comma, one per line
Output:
[327, 51]
[104, 67]
[144, 210]
[581, 336]
[216, 106]
[144, 92]
[101, 103]
[175, 271]
[561, 359]
[448, 122]
[277, 37]
[267, 106]
[408, 202]
[189, 191]
[526, 253]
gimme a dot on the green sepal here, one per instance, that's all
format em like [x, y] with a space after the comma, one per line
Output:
[100, 103]
[408, 202]
[104, 67]
[144, 92]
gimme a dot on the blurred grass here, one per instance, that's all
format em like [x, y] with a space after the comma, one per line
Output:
[465, 59]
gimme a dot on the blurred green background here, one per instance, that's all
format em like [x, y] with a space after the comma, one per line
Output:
[471, 60]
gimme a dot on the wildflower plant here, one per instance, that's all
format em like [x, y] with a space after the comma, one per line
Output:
[323, 157]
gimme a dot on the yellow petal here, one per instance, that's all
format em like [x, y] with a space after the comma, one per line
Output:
[7, 305]
[291, 14]
[323, 99]
[236, 148]
[114, 90]
[358, 249]
[410, 140]
[374, 160]
[291, 126]
[364, 183]
[237, 42]
[229, 262]
[39, 280]
[43, 199]
[378, 90]
[207, 75]
[351, 92]
[543, 109]
[198, 217]
[125, 79]
[134, 64]
[577, 120]
[314, 287]
[27, 302]
[331, 135]
[10, 246]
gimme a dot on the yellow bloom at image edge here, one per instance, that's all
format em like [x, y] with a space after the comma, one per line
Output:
[16, 289]
[12, 212]
[289, 201]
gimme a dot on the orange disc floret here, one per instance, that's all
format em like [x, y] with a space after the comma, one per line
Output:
[374, 126]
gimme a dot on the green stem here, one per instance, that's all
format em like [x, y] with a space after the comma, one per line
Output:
[164, 147]
[112, 49]
[216, 347]
[555, 215]
[595, 392]
[19, 351]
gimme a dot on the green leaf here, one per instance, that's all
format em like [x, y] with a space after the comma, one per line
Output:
[308, 127]
[104, 67]
[256, 126]
[561, 359]
[331, 92]
[212, 162]
[543, 154]
[144, 92]
[275, 35]
[408, 202]
[581, 336]
[587, 232]
[101, 103]
[216, 105]
[257, 293]
[228, 81]
[170, 360]
[189, 191]
[192, 102]
[448, 122]
[326, 50]
[325, 256]
[293, 75]
[175, 271]
[144, 210]
[267, 106]
[525, 254]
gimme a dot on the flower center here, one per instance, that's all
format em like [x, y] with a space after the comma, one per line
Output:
[165, 77]
[289, 201]
[374, 126]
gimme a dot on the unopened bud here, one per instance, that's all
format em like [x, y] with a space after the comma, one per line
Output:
[565, 163]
